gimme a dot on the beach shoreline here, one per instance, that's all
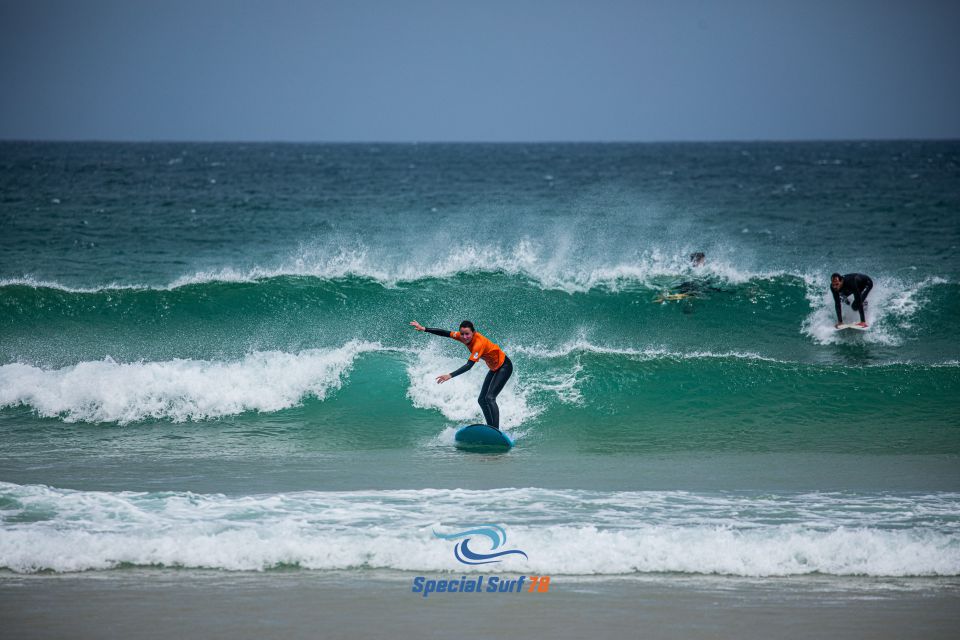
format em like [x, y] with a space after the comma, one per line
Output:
[163, 603]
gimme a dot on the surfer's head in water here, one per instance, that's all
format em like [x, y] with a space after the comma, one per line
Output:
[836, 281]
[698, 258]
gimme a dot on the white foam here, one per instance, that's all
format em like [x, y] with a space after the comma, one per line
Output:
[563, 384]
[361, 261]
[178, 390]
[553, 265]
[34, 283]
[561, 531]
[582, 345]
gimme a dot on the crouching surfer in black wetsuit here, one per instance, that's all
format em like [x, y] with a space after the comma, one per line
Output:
[855, 284]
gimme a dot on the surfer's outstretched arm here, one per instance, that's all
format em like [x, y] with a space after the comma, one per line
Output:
[437, 332]
[454, 374]
[463, 369]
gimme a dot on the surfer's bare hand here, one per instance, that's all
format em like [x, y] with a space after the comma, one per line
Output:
[416, 325]
[443, 378]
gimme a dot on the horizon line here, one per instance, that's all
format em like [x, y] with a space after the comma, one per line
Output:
[467, 142]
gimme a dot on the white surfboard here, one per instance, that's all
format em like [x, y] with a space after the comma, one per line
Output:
[852, 326]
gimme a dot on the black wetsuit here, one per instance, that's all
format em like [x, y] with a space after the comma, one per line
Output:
[698, 286]
[855, 284]
[492, 385]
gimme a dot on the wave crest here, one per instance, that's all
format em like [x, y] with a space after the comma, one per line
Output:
[539, 262]
[178, 390]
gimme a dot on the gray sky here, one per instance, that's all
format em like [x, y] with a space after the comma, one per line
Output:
[479, 70]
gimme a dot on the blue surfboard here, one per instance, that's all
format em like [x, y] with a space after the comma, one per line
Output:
[481, 436]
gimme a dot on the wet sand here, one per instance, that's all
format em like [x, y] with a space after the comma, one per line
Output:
[299, 604]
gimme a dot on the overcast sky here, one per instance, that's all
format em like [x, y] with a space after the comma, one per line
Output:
[480, 70]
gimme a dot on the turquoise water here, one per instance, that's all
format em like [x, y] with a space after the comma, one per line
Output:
[211, 343]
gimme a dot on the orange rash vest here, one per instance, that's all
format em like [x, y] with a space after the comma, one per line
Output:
[481, 347]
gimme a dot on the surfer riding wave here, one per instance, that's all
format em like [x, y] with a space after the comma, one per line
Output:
[501, 367]
[856, 284]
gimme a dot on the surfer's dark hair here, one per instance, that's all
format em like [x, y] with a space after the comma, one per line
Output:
[466, 324]
[699, 255]
[836, 275]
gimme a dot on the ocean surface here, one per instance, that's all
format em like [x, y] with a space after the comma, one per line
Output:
[206, 362]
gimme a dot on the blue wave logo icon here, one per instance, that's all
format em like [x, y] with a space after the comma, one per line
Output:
[495, 533]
